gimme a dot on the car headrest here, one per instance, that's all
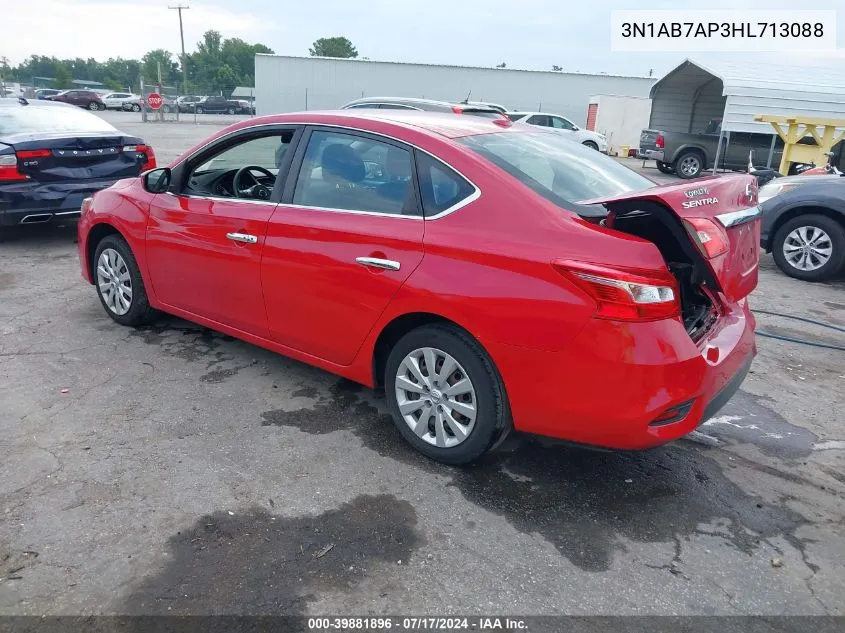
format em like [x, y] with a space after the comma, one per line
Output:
[398, 163]
[341, 160]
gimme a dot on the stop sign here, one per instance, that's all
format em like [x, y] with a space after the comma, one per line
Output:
[154, 100]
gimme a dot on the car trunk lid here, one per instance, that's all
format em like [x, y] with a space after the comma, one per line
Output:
[92, 156]
[721, 219]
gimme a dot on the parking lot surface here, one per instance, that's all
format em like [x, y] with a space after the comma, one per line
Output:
[170, 469]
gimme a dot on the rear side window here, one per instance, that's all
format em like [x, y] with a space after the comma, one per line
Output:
[355, 173]
[440, 186]
[34, 118]
[515, 117]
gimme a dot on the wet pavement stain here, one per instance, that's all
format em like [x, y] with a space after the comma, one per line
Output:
[586, 503]
[306, 392]
[745, 421]
[256, 563]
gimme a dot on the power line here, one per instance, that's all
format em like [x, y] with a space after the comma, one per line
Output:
[179, 8]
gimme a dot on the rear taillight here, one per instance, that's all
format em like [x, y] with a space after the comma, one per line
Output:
[457, 110]
[659, 141]
[625, 294]
[710, 237]
[145, 153]
[9, 169]
[34, 153]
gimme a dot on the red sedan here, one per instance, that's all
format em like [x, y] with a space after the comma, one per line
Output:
[489, 276]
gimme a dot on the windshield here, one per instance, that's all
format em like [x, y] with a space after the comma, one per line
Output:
[27, 119]
[560, 170]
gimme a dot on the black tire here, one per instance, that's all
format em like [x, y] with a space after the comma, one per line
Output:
[136, 107]
[230, 111]
[590, 144]
[665, 168]
[139, 312]
[492, 412]
[836, 234]
[93, 106]
[199, 110]
[689, 164]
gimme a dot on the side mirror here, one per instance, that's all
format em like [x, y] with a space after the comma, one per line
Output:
[157, 180]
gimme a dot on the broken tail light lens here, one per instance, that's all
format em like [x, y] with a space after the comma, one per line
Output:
[710, 237]
[148, 157]
[625, 294]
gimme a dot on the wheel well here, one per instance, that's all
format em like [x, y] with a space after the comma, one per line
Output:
[95, 236]
[589, 142]
[786, 216]
[693, 150]
[394, 331]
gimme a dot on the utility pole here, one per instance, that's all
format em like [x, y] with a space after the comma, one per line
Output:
[179, 8]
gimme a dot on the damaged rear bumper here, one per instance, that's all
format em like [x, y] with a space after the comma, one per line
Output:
[32, 203]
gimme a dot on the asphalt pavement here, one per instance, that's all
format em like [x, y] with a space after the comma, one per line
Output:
[171, 469]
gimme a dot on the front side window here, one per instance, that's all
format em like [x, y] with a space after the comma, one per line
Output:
[257, 157]
[561, 123]
[355, 173]
[555, 167]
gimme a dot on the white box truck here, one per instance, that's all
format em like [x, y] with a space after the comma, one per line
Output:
[620, 118]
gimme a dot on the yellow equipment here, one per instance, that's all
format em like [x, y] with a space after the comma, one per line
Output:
[799, 127]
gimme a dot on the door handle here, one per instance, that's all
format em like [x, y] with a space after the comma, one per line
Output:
[375, 262]
[242, 237]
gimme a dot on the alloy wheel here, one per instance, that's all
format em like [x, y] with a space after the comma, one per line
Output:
[690, 166]
[114, 281]
[807, 248]
[436, 397]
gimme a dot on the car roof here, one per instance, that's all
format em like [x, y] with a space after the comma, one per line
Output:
[440, 124]
[421, 103]
[524, 113]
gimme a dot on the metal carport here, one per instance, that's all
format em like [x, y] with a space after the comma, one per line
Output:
[692, 94]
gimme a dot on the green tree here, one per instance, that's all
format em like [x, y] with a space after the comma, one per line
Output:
[150, 63]
[62, 78]
[333, 47]
[240, 57]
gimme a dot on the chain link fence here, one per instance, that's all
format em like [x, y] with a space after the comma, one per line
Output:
[200, 105]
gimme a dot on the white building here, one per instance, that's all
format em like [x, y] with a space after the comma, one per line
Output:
[289, 84]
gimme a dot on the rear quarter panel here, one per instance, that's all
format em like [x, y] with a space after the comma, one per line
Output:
[125, 207]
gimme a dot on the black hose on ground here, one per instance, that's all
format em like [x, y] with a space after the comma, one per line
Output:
[790, 339]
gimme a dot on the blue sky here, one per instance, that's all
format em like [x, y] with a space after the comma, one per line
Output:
[534, 35]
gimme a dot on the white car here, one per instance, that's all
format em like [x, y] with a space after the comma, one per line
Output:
[562, 124]
[116, 101]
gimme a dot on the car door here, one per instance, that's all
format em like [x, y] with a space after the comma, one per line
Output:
[562, 125]
[347, 235]
[204, 244]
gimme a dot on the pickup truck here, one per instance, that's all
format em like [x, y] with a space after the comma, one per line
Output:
[216, 105]
[687, 155]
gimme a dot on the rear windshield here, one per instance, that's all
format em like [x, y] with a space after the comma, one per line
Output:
[560, 170]
[31, 118]
[487, 114]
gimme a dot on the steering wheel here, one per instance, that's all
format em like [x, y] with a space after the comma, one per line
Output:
[257, 191]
